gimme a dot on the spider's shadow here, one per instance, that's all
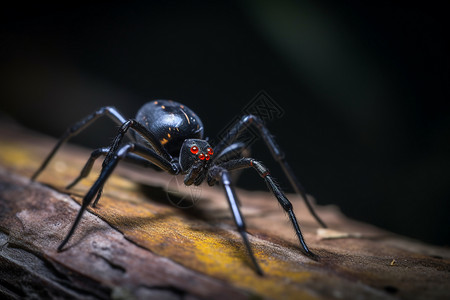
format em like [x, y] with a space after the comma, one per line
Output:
[159, 195]
[187, 207]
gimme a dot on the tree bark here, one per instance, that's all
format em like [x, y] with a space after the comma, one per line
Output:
[150, 238]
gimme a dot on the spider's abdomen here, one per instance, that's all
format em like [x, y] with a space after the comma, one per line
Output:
[171, 123]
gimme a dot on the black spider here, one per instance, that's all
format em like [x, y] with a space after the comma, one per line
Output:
[169, 135]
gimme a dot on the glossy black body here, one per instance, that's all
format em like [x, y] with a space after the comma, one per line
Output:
[171, 123]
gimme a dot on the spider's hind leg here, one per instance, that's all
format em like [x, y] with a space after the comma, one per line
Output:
[77, 128]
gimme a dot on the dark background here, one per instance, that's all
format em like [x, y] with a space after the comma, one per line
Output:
[364, 87]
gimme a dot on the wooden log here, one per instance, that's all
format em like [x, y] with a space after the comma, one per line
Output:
[150, 238]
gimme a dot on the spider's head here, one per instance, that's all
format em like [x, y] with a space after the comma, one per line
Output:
[195, 152]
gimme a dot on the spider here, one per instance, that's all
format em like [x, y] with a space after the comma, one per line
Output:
[168, 136]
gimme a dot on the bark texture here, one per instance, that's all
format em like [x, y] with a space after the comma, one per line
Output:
[152, 238]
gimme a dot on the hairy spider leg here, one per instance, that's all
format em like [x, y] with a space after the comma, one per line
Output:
[147, 153]
[78, 127]
[238, 219]
[275, 150]
[275, 189]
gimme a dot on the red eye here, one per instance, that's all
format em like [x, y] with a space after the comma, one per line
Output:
[194, 149]
[210, 151]
[207, 157]
[201, 156]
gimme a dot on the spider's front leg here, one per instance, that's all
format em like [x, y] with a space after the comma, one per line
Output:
[240, 127]
[274, 188]
[218, 173]
[132, 148]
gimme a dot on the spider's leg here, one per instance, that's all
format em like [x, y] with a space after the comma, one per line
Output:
[106, 172]
[130, 157]
[77, 128]
[299, 189]
[146, 153]
[147, 135]
[239, 220]
[275, 150]
[142, 131]
[88, 166]
[133, 158]
[275, 189]
[233, 151]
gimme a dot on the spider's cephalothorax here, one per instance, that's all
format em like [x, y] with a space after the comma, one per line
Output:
[195, 152]
[168, 136]
[195, 159]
